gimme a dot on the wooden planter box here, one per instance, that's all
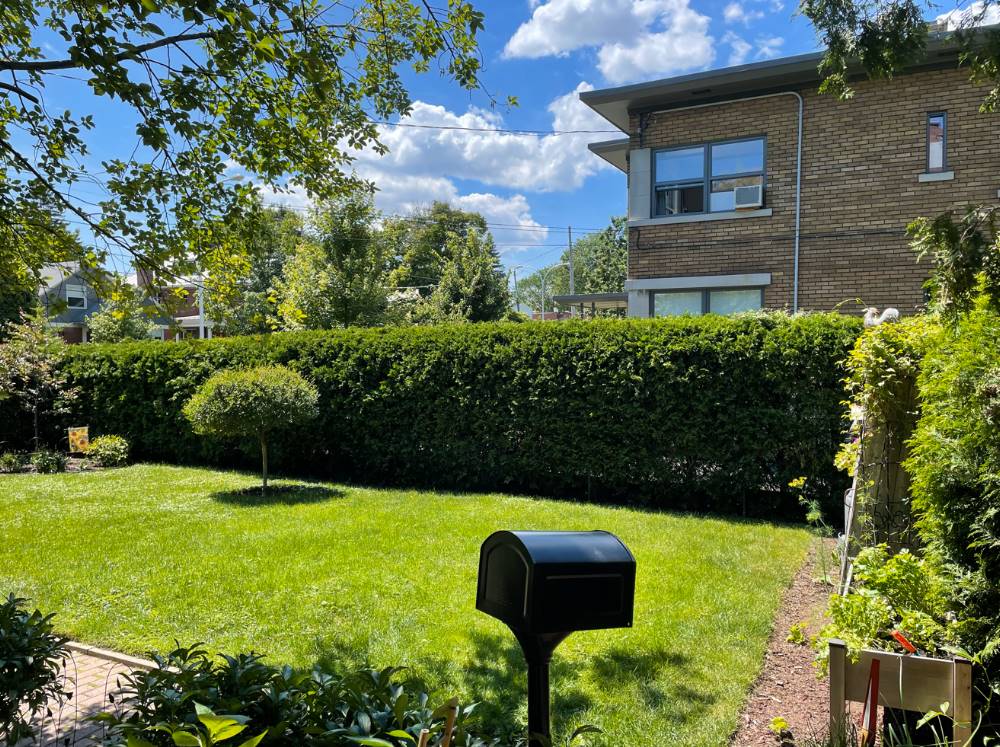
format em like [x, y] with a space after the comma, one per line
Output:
[906, 682]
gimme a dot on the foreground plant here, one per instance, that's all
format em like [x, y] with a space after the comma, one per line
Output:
[254, 403]
[180, 702]
[31, 657]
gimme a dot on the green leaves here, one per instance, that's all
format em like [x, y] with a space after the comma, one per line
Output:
[274, 89]
[613, 409]
[321, 708]
[31, 659]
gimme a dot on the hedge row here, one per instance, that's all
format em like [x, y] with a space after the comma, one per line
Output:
[707, 414]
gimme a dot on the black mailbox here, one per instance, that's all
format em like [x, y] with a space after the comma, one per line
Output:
[556, 582]
[544, 586]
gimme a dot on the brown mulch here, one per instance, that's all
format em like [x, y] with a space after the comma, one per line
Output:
[788, 686]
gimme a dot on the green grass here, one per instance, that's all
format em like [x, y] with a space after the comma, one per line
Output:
[134, 558]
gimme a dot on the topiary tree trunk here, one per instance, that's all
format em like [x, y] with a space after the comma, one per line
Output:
[263, 462]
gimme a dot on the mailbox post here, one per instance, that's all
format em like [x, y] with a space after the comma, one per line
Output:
[546, 585]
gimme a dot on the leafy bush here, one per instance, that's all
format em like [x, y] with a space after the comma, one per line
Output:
[902, 592]
[252, 403]
[708, 413]
[955, 467]
[11, 461]
[31, 657]
[48, 462]
[108, 451]
[292, 708]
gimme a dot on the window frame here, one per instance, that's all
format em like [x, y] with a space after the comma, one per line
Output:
[706, 296]
[707, 178]
[79, 291]
[944, 143]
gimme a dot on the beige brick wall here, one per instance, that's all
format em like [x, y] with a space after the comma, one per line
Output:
[861, 160]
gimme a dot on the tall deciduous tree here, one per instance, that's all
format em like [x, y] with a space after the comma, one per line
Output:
[600, 265]
[600, 260]
[240, 296]
[34, 239]
[282, 89]
[421, 243]
[338, 276]
[473, 286]
[30, 370]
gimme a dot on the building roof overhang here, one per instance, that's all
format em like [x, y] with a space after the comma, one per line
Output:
[614, 152]
[595, 300]
[742, 81]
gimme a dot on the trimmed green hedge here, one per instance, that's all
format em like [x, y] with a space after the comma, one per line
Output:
[706, 413]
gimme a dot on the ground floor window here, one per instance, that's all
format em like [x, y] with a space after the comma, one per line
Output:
[706, 301]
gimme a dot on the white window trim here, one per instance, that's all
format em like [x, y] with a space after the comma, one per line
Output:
[700, 217]
[78, 291]
[936, 176]
[698, 282]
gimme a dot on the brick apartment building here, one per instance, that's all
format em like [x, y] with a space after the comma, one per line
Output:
[839, 182]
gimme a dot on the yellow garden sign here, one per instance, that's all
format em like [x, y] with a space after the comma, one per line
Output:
[79, 440]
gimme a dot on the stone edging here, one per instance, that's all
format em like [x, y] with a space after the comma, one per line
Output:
[103, 653]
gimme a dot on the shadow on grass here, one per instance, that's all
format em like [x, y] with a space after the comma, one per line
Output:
[278, 495]
[494, 675]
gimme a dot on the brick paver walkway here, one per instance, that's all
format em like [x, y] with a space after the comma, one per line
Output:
[92, 676]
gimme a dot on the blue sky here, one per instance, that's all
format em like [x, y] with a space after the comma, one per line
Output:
[543, 52]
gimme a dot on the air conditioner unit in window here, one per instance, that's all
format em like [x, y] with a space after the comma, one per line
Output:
[748, 197]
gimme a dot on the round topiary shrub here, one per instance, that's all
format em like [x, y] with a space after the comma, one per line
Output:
[108, 451]
[253, 403]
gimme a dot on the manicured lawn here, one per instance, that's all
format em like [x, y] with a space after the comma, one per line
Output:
[134, 558]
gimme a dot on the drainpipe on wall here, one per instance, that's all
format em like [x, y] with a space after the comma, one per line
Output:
[798, 171]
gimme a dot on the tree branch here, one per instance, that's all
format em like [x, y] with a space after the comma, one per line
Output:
[19, 91]
[43, 65]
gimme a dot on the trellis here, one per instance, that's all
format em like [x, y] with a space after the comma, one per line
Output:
[877, 505]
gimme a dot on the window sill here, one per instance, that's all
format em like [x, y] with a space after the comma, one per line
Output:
[936, 176]
[700, 217]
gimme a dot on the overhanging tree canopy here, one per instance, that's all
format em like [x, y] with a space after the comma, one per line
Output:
[284, 90]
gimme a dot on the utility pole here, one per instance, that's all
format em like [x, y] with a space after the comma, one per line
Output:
[517, 301]
[543, 295]
[572, 279]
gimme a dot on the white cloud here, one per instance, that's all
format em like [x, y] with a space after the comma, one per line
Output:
[634, 38]
[736, 12]
[769, 46]
[976, 14]
[538, 163]
[424, 164]
[739, 48]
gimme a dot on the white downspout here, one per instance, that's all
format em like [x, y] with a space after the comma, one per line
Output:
[798, 173]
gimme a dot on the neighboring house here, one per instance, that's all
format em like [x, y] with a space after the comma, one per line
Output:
[189, 321]
[748, 189]
[67, 299]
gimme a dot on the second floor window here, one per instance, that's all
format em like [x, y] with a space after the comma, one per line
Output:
[76, 296]
[703, 178]
[937, 142]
